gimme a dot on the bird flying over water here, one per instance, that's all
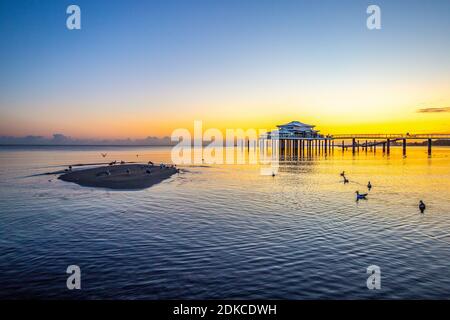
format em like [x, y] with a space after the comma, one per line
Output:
[104, 154]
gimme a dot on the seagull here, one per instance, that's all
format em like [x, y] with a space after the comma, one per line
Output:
[422, 206]
[104, 154]
[360, 195]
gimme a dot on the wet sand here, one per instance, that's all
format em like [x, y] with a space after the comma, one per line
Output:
[124, 177]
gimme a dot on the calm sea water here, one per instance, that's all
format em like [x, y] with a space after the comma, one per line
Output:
[227, 231]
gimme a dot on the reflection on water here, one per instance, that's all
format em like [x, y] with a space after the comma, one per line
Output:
[225, 231]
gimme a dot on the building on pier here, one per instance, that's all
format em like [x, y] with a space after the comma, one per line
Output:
[295, 130]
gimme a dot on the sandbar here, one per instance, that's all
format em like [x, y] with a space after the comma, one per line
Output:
[122, 176]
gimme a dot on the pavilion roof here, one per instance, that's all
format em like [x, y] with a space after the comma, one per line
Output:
[296, 124]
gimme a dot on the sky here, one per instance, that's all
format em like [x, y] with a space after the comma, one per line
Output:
[145, 68]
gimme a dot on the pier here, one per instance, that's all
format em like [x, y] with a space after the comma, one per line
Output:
[297, 140]
[385, 140]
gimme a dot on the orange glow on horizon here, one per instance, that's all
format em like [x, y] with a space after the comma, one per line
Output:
[134, 128]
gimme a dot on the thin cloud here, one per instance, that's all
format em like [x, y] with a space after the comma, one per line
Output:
[434, 110]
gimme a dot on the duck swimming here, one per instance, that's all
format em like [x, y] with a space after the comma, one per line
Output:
[422, 206]
[360, 195]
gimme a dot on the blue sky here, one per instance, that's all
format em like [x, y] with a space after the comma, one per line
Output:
[216, 60]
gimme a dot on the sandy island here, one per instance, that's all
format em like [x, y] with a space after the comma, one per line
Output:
[123, 176]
